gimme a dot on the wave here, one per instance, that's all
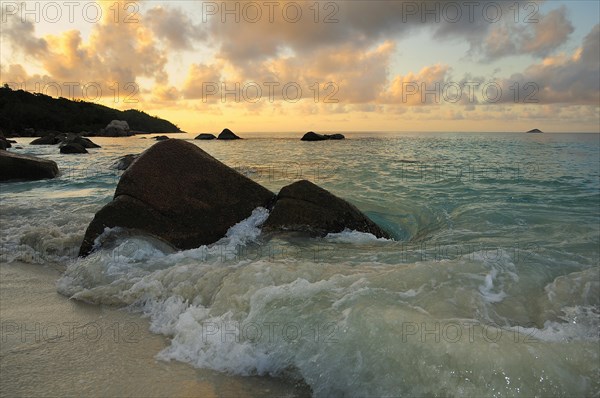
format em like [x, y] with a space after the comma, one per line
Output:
[450, 327]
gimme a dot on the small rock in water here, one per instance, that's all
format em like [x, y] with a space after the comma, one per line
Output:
[72, 148]
[205, 136]
[227, 134]
[312, 136]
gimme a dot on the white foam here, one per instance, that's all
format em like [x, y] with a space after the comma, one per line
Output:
[353, 236]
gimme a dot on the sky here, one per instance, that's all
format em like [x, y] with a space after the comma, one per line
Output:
[330, 66]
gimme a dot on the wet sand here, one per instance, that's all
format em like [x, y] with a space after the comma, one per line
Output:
[53, 346]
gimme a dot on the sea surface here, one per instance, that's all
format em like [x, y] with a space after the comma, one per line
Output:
[490, 287]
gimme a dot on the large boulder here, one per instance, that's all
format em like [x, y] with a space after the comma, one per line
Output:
[205, 136]
[72, 148]
[179, 193]
[312, 136]
[227, 134]
[306, 207]
[25, 167]
[117, 128]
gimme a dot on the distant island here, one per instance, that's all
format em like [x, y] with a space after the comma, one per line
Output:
[535, 131]
[32, 114]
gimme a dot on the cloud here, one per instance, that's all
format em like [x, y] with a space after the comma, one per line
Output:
[562, 78]
[423, 88]
[552, 30]
[203, 82]
[115, 56]
[526, 31]
[21, 35]
[174, 27]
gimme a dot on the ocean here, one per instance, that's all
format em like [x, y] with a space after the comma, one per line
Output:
[489, 287]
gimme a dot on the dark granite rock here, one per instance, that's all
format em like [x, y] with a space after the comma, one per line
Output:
[205, 136]
[72, 148]
[304, 206]
[177, 192]
[227, 134]
[312, 136]
[25, 167]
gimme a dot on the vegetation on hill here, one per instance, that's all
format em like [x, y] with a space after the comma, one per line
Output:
[20, 110]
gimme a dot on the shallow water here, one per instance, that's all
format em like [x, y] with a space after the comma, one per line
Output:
[490, 287]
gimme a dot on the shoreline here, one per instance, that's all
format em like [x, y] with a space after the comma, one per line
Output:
[54, 346]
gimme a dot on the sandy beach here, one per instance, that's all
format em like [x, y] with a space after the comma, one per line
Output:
[53, 346]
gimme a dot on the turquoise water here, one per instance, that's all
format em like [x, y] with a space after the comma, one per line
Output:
[490, 287]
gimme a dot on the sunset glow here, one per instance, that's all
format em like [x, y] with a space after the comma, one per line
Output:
[330, 66]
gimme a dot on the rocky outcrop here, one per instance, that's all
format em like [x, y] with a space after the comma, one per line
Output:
[116, 128]
[227, 134]
[24, 167]
[161, 138]
[179, 193]
[535, 131]
[306, 207]
[205, 136]
[72, 148]
[312, 136]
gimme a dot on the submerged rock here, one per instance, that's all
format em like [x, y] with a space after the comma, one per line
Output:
[304, 206]
[124, 162]
[25, 167]
[205, 136]
[177, 192]
[312, 136]
[72, 148]
[227, 134]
